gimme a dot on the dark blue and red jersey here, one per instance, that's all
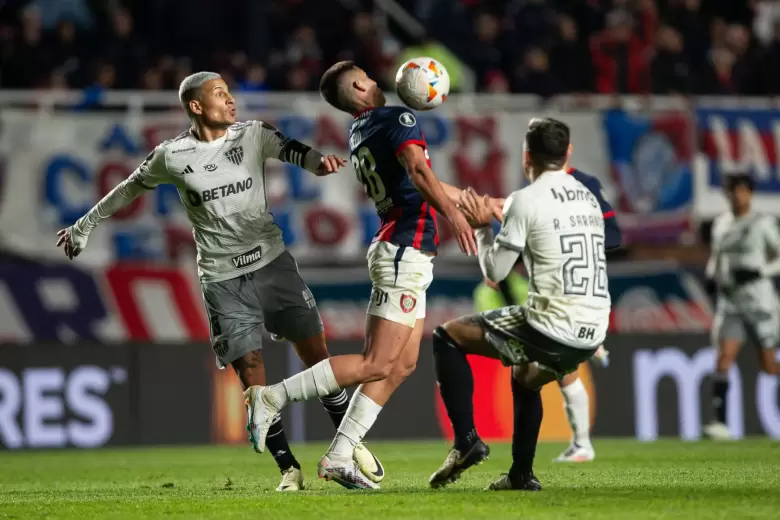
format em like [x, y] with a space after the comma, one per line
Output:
[612, 236]
[376, 138]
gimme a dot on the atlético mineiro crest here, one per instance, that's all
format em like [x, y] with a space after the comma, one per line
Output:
[235, 155]
[408, 303]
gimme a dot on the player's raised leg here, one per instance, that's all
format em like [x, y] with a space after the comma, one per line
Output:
[290, 311]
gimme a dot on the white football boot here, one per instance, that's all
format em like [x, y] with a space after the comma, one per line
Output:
[717, 431]
[576, 453]
[344, 472]
[261, 409]
[601, 357]
[368, 464]
[292, 480]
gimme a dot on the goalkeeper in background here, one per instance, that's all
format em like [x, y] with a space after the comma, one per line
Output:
[514, 291]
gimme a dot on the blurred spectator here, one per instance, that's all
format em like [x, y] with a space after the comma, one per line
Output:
[304, 50]
[54, 11]
[747, 59]
[532, 23]
[27, 58]
[496, 82]
[486, 53]
[255, 80]
[371, 48]
[535, 77]
[771, 82]
[571, 59]
[686, 17]
[717, 77]
[671, 70]
[125, 48]
[621, 58]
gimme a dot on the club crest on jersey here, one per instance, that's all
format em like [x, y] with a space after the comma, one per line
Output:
[235, 155]
[408, 303]
[248, 258]
[407, 119]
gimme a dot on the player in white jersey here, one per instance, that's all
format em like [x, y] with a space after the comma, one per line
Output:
[745, 256]
[557, 225]
[249, 279]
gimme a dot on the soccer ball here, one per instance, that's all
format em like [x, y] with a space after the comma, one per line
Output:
[422, 83]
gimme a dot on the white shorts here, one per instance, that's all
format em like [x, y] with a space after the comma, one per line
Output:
[399, 278]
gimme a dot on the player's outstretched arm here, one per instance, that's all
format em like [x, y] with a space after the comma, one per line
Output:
[275, 144]
[146, 177]
[454, 195]
[426, 182]
[496, 258]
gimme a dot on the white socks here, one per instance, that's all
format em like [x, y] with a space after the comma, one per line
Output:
[360, 417]
[317, 381]
[577, 406]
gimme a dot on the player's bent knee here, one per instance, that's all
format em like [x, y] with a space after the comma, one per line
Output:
[442, 338]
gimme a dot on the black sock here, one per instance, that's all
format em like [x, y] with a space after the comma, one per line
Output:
[336, 406]
[276, 442]
[528, 420]
[456, 384]
[720, 387]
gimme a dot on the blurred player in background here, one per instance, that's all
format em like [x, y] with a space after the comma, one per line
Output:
[556, 224]
[388, 152]
[745, 256]
[249, 279]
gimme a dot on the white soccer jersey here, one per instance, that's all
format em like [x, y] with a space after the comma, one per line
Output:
[222, 186]
[747, 242]
[558, 226]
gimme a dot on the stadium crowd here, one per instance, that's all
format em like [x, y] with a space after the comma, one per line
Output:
[545, 47]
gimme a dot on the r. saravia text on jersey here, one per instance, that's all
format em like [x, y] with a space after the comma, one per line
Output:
[222, 186]
[558, 225]
[376, 138]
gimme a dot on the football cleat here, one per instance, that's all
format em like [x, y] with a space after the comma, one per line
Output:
[292, 480]
[456, 463]
[601, 357]
[344, 472]
[527, 482]
[368, 464]
[717, 431]
[261, 410]
[576, 453]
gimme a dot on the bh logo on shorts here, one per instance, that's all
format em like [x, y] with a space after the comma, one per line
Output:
[407, 303]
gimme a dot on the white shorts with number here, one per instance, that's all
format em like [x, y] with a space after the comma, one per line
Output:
[399, 277]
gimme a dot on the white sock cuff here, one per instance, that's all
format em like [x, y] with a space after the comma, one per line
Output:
[324, 378]
[574, 390]
[365, 404]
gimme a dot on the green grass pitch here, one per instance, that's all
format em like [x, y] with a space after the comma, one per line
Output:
[628, 480]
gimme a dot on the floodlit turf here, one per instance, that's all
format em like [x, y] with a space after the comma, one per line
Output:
[628, 480]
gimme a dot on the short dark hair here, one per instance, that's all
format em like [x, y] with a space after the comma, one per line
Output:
[547, 141]
[331, 88]
[731, 181]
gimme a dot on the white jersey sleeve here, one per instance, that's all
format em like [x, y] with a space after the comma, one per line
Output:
[514, 228]
[496, 259]
[149, 174]
[772, 237]
[153, 171]
[273, 144]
